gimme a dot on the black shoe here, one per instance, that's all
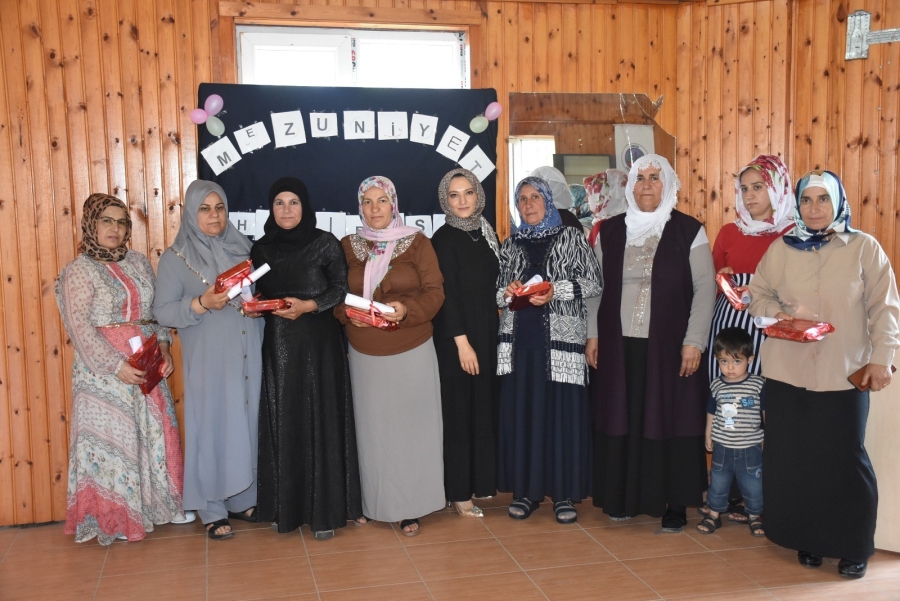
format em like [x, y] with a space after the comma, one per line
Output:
[809, 560]
[850, 569]
[674, 520]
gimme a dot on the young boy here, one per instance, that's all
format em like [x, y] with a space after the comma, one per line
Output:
[734, 424]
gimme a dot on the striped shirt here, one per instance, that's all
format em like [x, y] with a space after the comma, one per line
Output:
[737, 408]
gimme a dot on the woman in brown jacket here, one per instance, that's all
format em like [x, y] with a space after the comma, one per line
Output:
[394, 375]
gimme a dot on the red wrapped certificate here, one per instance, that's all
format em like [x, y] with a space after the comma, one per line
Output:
[233, 277]
[149, 359]
[373, 318]
[258, 305]
[520, 297]
[739, 301]
[799, 330]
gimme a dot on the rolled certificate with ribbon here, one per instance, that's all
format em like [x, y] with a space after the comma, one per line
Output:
[247, 281]
[365, 304]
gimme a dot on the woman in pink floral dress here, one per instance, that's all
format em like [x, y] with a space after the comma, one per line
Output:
[125, 464]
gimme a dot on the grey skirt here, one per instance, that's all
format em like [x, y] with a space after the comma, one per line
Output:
[399, 432]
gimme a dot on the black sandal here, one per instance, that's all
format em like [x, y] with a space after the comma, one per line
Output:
[756, 526]
[710, 523]
[737, 513]
[561, 507]
[527, 506]
[213, 526]
[367, 519]
[405, 523]
[242, 515]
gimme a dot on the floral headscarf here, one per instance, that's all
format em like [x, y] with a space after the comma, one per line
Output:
[640, 225]
[778, 183]
[803, 238]
[606, 193]
[475, 221]
[551, 223]
[93, 208]
[386, 239]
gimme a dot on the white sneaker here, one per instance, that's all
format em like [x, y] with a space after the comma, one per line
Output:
[189, 516]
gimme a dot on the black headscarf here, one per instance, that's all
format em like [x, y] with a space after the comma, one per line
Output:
[305, 231]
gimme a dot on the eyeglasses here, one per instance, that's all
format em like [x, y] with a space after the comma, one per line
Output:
[109, 222]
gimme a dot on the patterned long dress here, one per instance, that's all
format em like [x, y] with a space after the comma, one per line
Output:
[125, 463]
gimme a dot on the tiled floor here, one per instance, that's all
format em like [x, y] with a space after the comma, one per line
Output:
[453, 558]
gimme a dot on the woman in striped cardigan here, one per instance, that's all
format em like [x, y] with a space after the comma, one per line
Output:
[545, 433]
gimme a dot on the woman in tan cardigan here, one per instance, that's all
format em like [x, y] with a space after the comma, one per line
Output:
[394, 375]
[815, 418]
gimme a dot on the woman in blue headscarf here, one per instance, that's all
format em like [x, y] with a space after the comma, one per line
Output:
[815, 418]
[545, 431]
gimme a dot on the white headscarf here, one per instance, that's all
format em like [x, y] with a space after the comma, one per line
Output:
[562, 196]
[640, 225]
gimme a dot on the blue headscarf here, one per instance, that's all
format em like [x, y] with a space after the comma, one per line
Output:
[551, 223]
[803, 238]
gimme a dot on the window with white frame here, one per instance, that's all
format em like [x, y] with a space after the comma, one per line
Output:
[308, 56]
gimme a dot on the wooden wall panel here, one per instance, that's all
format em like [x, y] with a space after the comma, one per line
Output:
[96, 96]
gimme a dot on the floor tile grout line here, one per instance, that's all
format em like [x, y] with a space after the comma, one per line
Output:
[515, 561]
[622, 563]
[206, 571]
[309, 562]
[100, 575]
[11, 543]
[749, 577]
[408, 556]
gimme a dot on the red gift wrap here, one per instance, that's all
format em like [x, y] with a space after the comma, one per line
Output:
[726, 284]
[258, 305]
[149, 359]
[372, 317]
[521, 295]
[799, 330]
[233, 277]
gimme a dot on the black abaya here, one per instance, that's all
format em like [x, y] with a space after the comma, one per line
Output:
[308, 469]
[468, 403]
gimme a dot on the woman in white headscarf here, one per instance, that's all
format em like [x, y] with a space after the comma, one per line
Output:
[222, 357]
[649, 396]
[764, 203]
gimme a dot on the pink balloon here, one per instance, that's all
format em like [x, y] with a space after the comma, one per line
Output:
[493, 110]
[199, 116]
[213, 104]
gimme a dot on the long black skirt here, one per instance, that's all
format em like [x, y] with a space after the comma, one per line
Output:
[636, 475]
[469, 410]
[545, 433]
[819, 485]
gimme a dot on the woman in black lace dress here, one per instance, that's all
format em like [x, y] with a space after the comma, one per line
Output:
[308, 469]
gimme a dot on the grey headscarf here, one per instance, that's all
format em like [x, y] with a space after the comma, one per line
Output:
[562, 197]
[475, 221]
[210, 255]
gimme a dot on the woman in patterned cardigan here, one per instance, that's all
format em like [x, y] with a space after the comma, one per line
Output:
[545, 434]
